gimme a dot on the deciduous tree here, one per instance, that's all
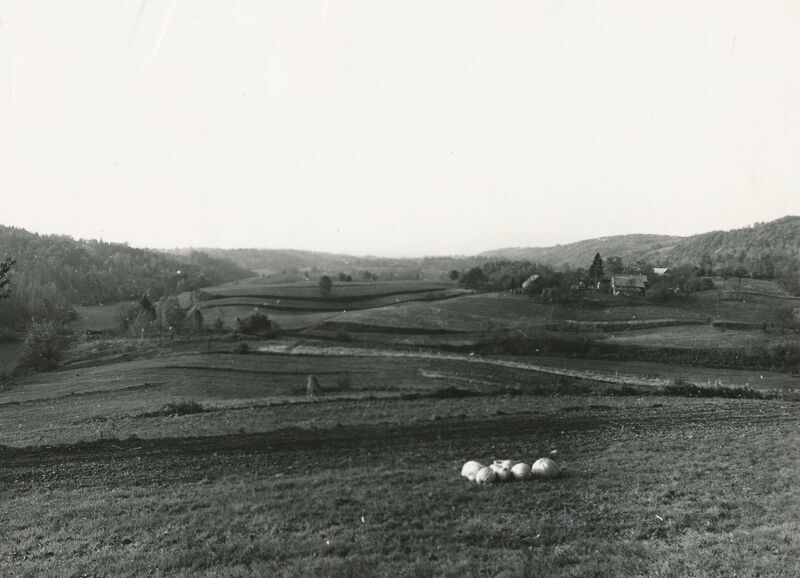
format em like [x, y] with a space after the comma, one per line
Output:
[474, 278]
[615, 265]
[325, 285]
[5, 269]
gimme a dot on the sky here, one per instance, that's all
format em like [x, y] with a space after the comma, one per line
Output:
[396, 128]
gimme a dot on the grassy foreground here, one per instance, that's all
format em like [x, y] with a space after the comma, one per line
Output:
[651, 486]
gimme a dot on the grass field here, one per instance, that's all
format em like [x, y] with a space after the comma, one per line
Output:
[762, 286]
[482, 312]
[365, 481]
[285, 320]
[295, 306]
[199, 456]
[98, 317]
[10, 352]
[340, 290]
[705, 337]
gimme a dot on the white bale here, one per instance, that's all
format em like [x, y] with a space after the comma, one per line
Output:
[544, 468]
[503, 474]
[485, 476]
[470, 469]
[521, 471]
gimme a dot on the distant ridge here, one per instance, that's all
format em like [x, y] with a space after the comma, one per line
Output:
[763, 249]
[780, 239]
[580, 253]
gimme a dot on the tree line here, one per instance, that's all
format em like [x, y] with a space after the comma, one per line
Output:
[507, 275]
[53, 272]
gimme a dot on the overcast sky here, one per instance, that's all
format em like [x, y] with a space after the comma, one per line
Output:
[396, 128]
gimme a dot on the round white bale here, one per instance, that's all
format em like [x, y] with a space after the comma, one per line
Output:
[521, 471]
[485, 476]
[544, 468]
[503, 474]
[470, 469]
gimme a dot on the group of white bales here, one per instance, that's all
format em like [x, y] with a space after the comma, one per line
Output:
[508, 470]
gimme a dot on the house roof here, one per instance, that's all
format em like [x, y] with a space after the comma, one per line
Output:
[660, 270]
[634, 281]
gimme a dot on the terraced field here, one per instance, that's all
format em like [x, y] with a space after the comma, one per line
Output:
[703, 337]
[301, 305]
[178, 457]
[122, 395]
[340, 291]
[182, 463]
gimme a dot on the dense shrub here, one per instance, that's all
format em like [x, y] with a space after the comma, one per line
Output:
[44, 347]
[256, 324]
[182, 407]
[694, 284]
[682, 388]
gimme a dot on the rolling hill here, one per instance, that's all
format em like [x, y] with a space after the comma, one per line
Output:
[288, 265]
[580, 253]
[54, 272]
[765, 250]
[780, 239]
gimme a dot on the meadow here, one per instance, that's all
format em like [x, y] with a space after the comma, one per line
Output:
[303, 305]
[204, 455]
[650, 486]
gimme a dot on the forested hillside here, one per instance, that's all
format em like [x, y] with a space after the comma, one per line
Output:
[276, 259]
[579, 254]
[53, 272]
[765, 250]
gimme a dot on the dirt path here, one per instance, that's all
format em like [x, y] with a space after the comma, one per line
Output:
[592, 375]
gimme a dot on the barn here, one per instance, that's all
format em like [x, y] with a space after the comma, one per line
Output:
[629, 284]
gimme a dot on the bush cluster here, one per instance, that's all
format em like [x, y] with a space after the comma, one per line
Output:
[44, 347]
[782, 357]
[256, 324]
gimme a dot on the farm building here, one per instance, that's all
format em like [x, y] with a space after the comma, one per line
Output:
[629, 284]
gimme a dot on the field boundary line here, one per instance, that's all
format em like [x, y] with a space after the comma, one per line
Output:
[591, 375]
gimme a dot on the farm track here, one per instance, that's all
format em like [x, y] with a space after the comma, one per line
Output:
[122, 464]
[597, 376]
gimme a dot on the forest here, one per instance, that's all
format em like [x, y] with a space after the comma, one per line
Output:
[54, 272]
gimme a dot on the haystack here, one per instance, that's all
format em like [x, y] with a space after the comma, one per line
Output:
[313, 388]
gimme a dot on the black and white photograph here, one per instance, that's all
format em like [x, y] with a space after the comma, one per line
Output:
[355, 288]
